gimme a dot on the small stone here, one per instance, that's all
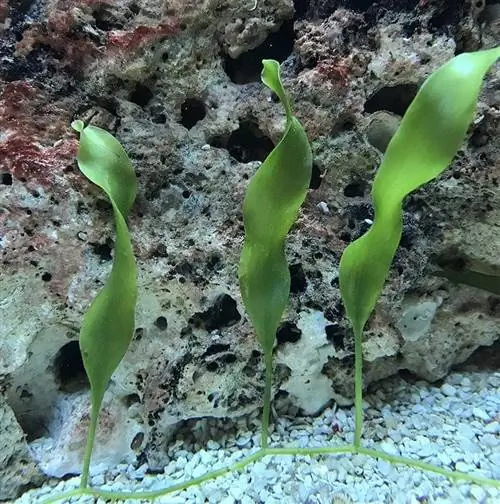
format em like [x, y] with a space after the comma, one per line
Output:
[448, 390]
[389, 447]
[323, 208]
[492, 428]
[213, 445]
[478, 493]
[479, 413]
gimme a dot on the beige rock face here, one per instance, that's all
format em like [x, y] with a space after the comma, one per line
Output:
[17, 469]
[179, 87]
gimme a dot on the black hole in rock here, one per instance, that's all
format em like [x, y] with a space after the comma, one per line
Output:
[300, 7]
[335, 334]
[288, 332]
[248, 66]
[223, 313]
[452, 262]
[103, 250]
[192, 111]
[161, 323]
[69, 370]
[105, 20]
[219, 142]
[316, 177]
[46, 277]
[229, 358]
[159, 118]
[186, 194]
[212, 366]
[215, 349]
[359, 5]
[6, 179]
[355, 189]
[395, 99]
[141, 95]
[248, 143]
[131, 399]
[298, 281]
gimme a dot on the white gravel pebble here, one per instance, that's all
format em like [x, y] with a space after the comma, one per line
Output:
[454, 426]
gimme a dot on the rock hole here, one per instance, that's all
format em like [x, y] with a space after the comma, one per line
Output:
[215, 349]
[103, 250]
[359, 5]
[192, 111]
[141, 95]
[300, 7]
[316, 177]
[248, 143]
[355, 189]
[105, 20]
[131, 399]
[298, 280]
[247, 67]
[223, 313]
[335, 334]
[161, 323]
[6, 179]
[46, 276]
[395, 99]
[288, 332]
[69, 369]
[212, 367]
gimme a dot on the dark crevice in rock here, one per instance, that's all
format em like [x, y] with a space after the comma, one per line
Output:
[223, 313]
[335, 334]
[288, 332]
[298, 280]
[247, 67]
[316, 177]
[141, 95]
[69, 370]
[355, 189]
[395, 99]
[192, 111]
[300, 7]
[215, 349]
[161, 323]
[103, 250]
[248, 143]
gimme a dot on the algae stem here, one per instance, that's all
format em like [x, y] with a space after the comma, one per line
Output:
[94, 416]
[358, 388]
[267, 399]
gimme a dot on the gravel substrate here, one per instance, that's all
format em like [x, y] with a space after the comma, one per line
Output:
[454, 426]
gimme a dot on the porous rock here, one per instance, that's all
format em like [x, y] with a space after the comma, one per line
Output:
[179, 87]
[17, 468]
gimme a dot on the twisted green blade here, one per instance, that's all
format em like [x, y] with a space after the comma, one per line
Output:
[273, 198]
[272, 202]
[108, 325]
[423, 146]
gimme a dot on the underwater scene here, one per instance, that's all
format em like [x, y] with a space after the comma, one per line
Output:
[250, 251]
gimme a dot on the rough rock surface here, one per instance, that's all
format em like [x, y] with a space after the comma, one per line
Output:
[178, 83]
[18, 470]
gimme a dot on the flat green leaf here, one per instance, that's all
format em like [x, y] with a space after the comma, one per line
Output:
[428, 137]
[108, 325]
[272, 202]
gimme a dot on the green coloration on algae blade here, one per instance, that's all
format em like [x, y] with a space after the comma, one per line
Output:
[108, 324]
